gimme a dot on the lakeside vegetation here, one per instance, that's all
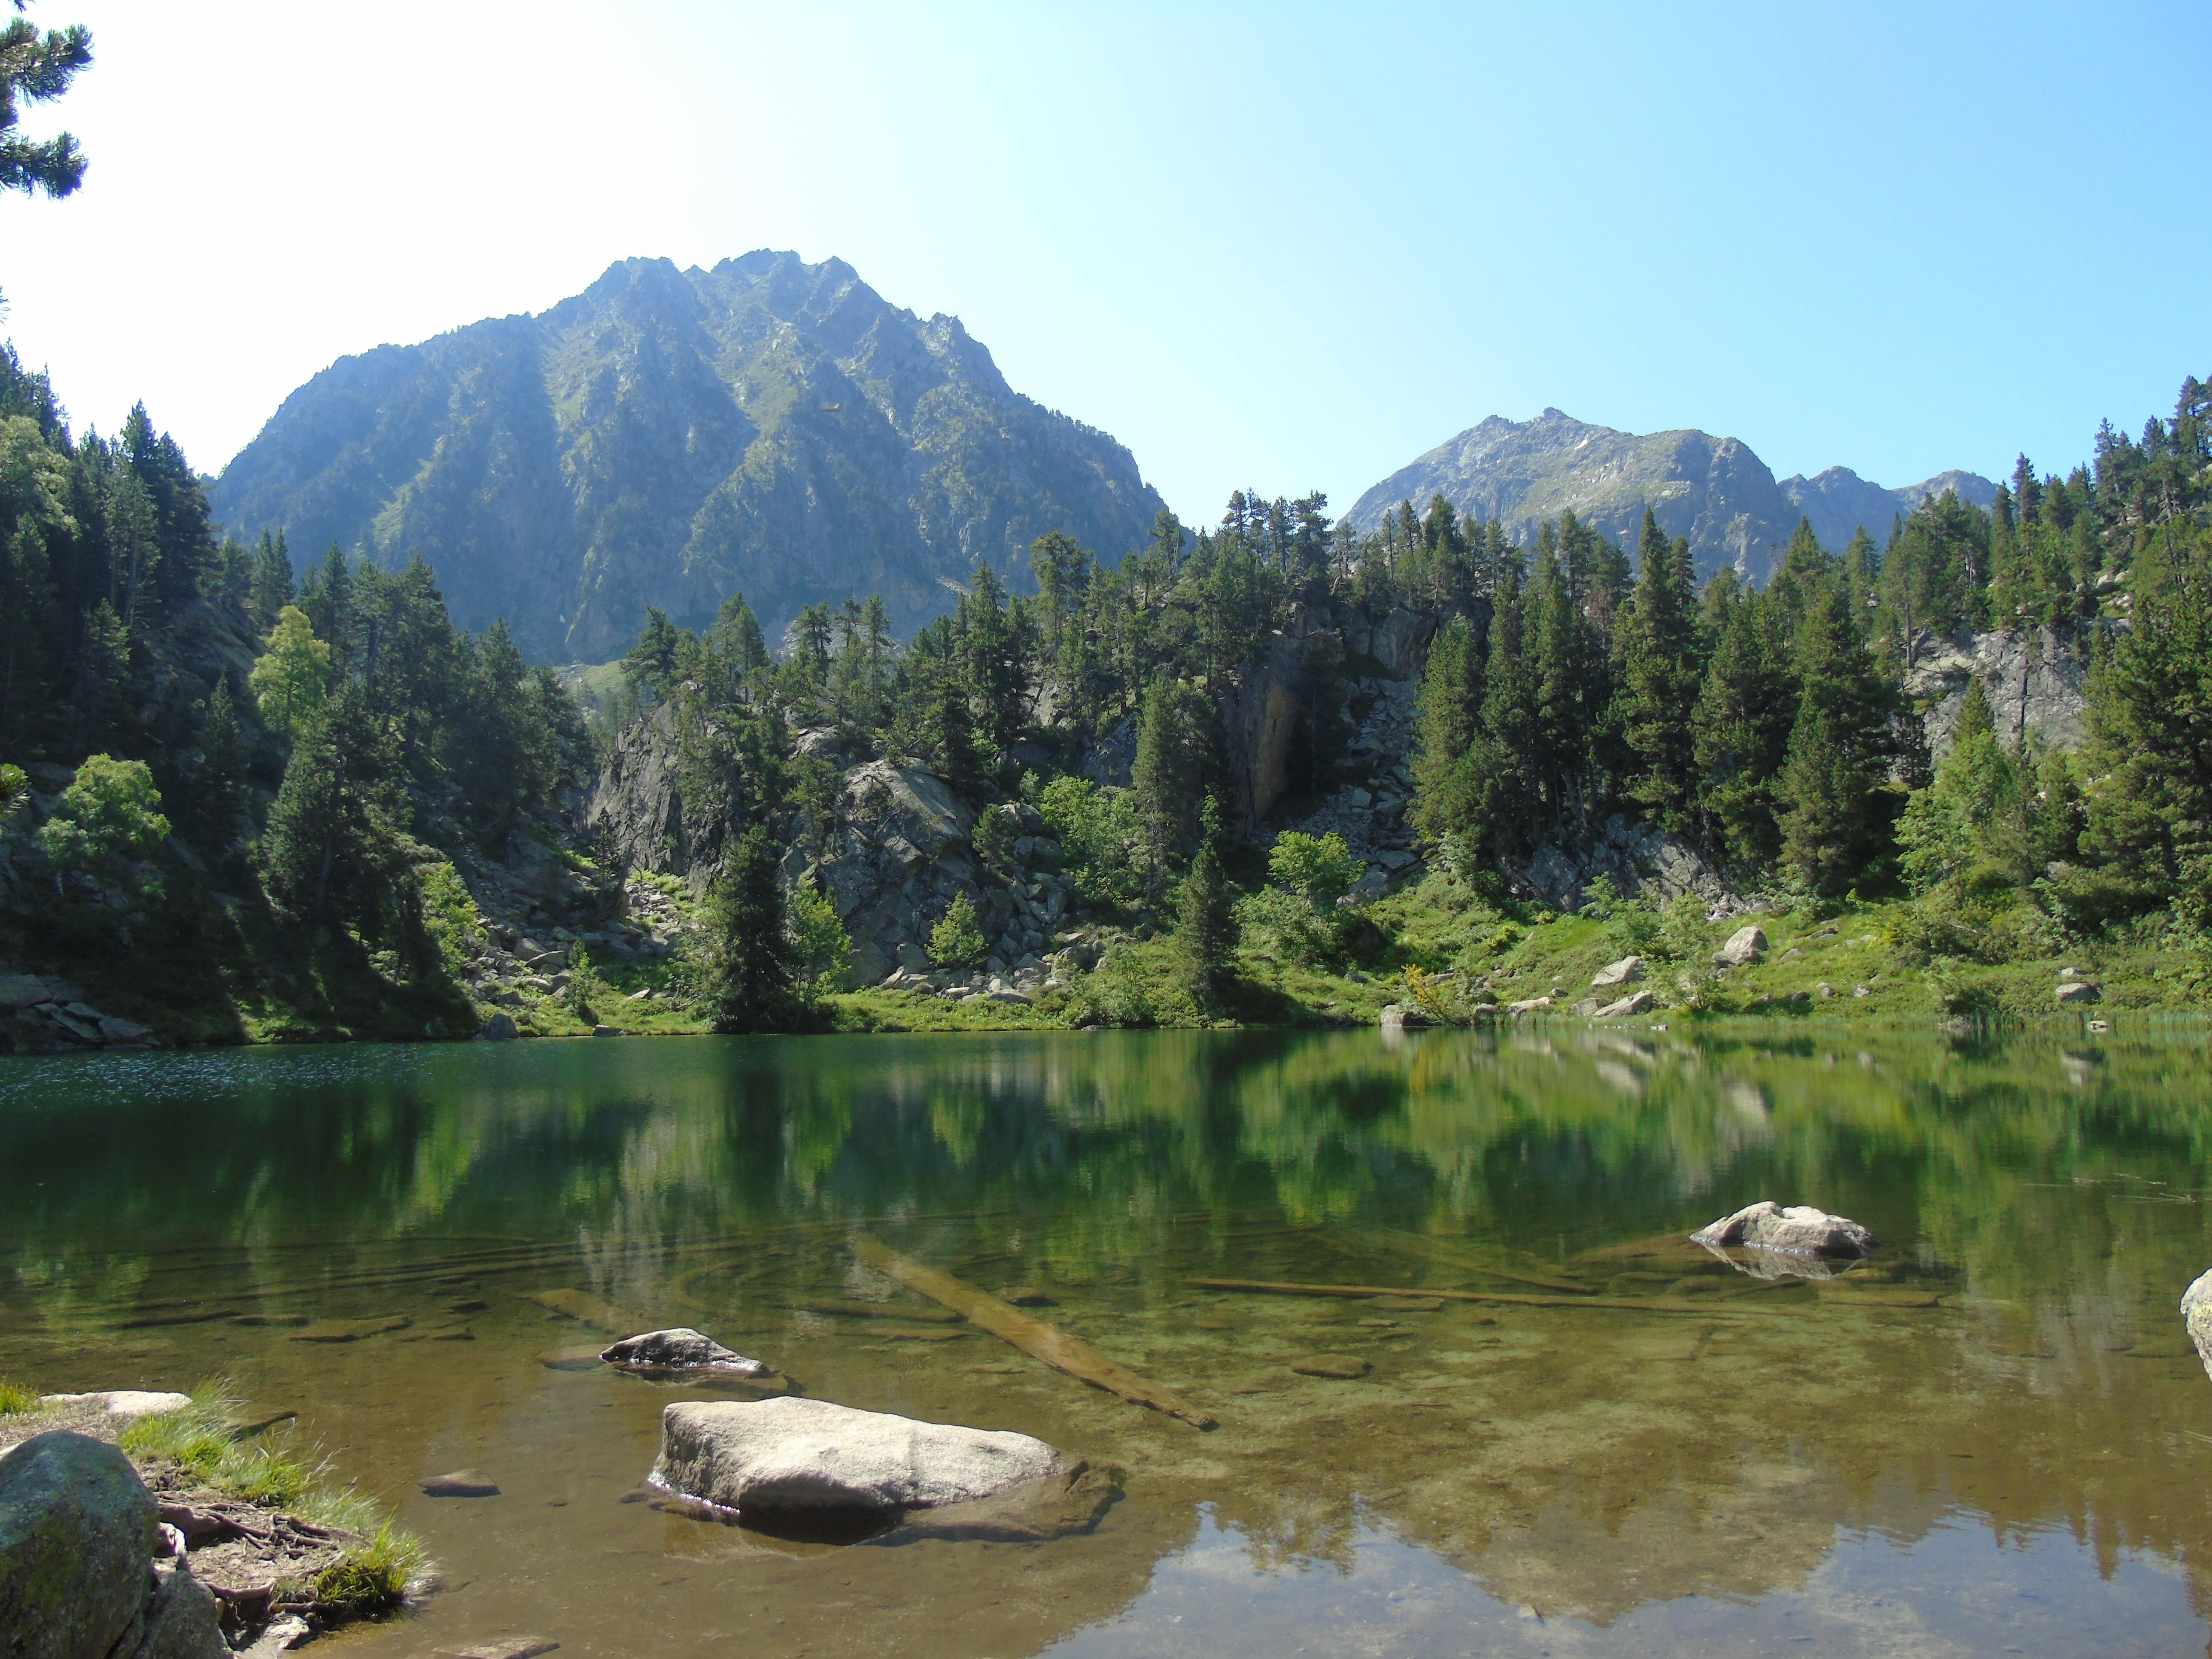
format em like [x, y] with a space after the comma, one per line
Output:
[285, 795]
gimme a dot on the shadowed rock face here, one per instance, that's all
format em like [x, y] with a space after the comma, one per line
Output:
[668, 437]
[1713, 490]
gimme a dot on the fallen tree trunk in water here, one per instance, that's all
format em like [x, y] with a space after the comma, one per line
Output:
[1032, 1336]
[1627, 1304]
[1473, 1259]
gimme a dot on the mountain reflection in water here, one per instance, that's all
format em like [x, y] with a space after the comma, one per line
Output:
[1994, 1437]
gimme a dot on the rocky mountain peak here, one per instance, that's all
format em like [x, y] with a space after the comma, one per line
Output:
[1715, 490]
[670, 436]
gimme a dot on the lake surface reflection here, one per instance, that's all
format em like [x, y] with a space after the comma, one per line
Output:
[1994, 1439]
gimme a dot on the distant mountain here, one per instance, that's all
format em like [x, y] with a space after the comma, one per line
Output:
[667, 437]
[1713, 490]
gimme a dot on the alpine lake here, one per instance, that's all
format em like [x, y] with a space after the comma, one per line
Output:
[1992, 1437]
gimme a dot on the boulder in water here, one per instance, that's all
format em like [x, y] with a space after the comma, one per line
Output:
[1799, 1229]
[681, 1349]
[2197, 1315]
[793, 1456]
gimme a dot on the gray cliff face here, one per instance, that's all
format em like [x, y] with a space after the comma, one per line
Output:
[1713, 490]
[668, 437]
[2036, 681]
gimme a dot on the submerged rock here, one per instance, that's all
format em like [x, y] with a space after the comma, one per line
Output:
[681, 1349]
[1800, 1230]
[796, 1456]
[1344, 1367]
[461, 1483]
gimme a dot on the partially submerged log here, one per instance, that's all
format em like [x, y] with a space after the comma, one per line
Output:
[879, 1310]
[1473, 1258]
[1625, 1304]
[1032, 1336]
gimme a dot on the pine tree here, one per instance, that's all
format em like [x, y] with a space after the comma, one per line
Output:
[327, 601]
[35, 69]
[1205, 936]
[1661, 676]
[1740, 725]
[1503, 769]
[747, 968]
[222, 765]
[1447, 724]
[1177, 762]
[1839, 747]
[271, 586]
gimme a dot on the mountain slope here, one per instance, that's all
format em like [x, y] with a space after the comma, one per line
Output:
[1713, 490]
[668, 437]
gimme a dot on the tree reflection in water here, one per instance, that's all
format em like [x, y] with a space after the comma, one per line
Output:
[2012, 1360]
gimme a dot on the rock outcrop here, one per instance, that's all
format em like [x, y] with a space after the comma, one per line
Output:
[79, 1538]
[796, 1456]
[1798, 1231]
[2036, 681]
[1641, 860]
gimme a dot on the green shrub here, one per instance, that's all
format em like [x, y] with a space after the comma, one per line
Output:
[824, 947]
[584, 985]
[108, 816]
[1319, 869]
[957, 941]
[1288, 926]
[449, 916]
[1102, 836]
[1115, 993]
[996, 831]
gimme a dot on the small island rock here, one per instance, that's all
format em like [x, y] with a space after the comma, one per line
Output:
[794, 1453]
[1800, 1230]
[680, 1349]
[2197, 1315]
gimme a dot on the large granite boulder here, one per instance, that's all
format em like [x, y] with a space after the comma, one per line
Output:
[78, 1535]
[1799, 1229]
[798, 1457]
[1744, 946]
[1618, 973]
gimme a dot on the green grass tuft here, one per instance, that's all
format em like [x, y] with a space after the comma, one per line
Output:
[15, 1399]
[373, 1578]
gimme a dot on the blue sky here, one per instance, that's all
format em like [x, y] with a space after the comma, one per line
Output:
[1283, 246]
